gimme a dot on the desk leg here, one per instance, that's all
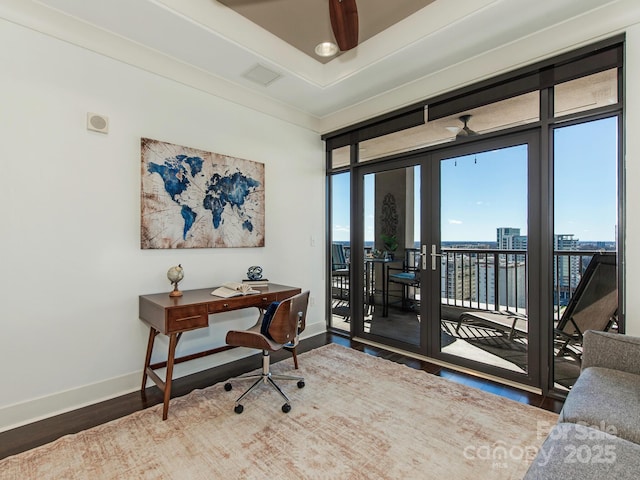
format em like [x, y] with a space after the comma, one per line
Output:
[173, 340]
[147, 361]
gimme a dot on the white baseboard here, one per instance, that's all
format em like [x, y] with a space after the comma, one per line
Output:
[36, 409]
[19, 414]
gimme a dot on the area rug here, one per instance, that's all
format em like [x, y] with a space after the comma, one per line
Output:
[359, 417]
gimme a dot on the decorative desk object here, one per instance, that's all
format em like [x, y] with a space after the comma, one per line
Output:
[254, 277]
[254, 273]
[175, 274]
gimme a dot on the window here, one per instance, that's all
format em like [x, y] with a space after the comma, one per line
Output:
[564, 103]
[496, 116]
[586, 93]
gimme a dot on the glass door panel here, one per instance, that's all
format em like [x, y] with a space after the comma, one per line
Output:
[391, 293]
[340, 251]
[446, 250]
[585, 229]
[481, 259]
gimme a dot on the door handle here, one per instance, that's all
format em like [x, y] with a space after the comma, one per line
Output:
[423, 256]
[434, 255]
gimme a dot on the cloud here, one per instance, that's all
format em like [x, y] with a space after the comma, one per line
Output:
[455, 222]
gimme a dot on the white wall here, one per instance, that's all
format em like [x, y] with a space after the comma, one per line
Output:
[71, 261]
[632, 166]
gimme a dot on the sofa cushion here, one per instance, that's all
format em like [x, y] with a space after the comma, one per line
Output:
[608, 399]
[575, 451]
[611, 350]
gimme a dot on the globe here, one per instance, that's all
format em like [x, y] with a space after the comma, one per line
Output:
[175, 274]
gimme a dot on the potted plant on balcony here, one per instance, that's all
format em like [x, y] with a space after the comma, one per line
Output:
[390, 243]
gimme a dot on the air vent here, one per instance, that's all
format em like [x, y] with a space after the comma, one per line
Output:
[262, 75]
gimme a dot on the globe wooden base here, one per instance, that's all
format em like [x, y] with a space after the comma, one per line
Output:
[175, 292]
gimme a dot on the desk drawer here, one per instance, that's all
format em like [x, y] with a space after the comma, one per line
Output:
[260, 300]
[187, 318]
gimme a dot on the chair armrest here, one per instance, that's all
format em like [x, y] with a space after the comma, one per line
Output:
[611, 350]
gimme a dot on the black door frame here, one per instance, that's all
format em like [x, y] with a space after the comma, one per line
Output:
[357, 251]
[537, 231]
[540, 233]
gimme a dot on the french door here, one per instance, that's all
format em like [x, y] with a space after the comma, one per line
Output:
[447, 250]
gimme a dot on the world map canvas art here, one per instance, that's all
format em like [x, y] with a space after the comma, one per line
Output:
[197, 199]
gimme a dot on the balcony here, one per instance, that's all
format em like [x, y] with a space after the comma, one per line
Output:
[483, 282]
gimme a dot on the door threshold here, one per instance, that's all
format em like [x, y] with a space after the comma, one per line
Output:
[453, 366]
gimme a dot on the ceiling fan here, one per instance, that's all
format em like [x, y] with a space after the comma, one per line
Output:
[465, 131]
[344, 22]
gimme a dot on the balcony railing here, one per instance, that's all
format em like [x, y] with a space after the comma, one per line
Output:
[486, 279]
[495, 279]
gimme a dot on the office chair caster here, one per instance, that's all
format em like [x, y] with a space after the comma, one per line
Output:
[300, 383]
[239, 408]
[228, 387]
[286, 408]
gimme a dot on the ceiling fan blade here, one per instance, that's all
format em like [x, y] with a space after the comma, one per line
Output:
[344, 21]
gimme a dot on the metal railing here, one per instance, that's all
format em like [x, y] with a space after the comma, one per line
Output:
[496, 279]
[484, 279]
[487, 279]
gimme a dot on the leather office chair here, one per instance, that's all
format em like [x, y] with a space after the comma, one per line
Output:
[293, 344]
[278, 327]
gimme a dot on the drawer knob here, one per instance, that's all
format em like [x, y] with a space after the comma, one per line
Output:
[264, 299]
[225, 305]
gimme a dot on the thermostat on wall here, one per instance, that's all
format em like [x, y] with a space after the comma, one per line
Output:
[97, 122]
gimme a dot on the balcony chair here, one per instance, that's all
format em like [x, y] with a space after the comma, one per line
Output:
[277, 328]
[339, 268]
[407, 277]
[593, 306]
[340, 272]
[512, 323]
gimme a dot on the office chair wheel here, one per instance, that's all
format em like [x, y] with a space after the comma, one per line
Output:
[228, 387]
[286, 408]
[240, 408]
[300, 383]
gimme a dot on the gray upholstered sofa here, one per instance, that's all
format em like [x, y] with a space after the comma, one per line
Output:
[598, 433]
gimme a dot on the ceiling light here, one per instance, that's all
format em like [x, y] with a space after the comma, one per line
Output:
[326, 49]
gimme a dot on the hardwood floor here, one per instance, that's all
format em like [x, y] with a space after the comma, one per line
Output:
[45, 431]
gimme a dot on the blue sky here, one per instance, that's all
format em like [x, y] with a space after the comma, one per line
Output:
[586, 183]
[489, 190]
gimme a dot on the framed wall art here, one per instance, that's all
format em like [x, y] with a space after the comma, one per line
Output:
[197, 199]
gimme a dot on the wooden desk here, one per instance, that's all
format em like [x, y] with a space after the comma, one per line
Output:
[172, 316]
